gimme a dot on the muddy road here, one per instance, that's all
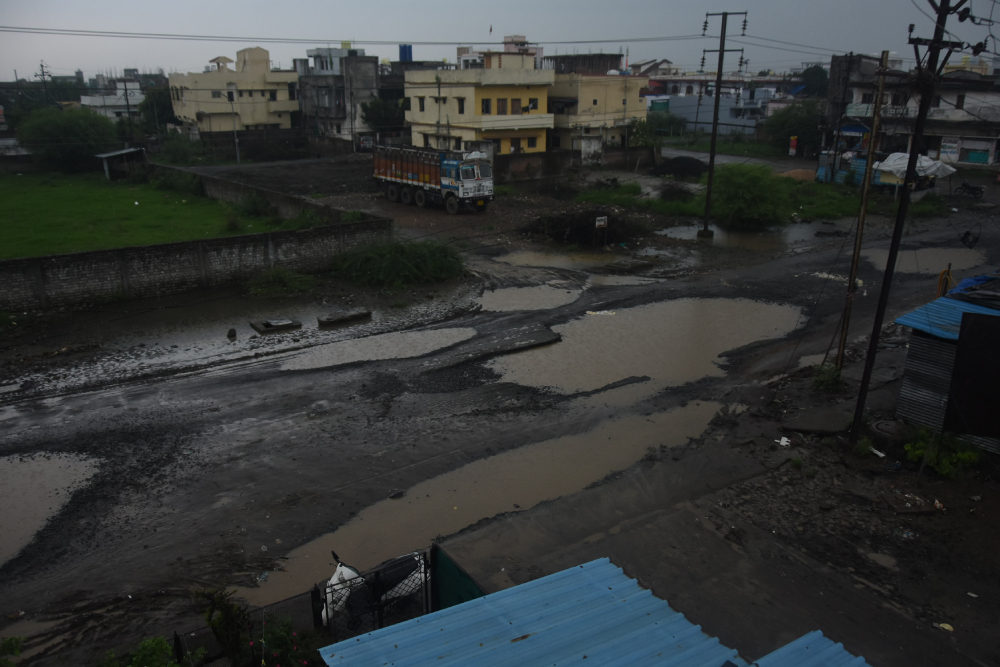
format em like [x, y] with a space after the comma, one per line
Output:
[548, 403]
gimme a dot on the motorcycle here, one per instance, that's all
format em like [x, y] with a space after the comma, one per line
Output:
[348, 592]
[968, 189]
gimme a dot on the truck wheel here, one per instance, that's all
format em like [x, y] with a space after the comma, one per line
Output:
[406, 196]
[420, 198]
[452, 205]
[392, 192]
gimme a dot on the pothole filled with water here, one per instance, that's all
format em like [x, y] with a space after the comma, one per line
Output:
[776, 239]
[570, 260]
[33, 489]
[540, 297]
[396, 345]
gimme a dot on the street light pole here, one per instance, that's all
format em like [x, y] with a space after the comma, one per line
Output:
[236, 138]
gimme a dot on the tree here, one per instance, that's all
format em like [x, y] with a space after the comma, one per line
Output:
[383, 115]
[67, 139]
[157, 110]
[800, 120]
[816, 81]
[749, 197]
[764, 72]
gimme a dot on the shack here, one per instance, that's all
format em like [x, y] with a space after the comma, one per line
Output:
[950, 363]
[119, 164]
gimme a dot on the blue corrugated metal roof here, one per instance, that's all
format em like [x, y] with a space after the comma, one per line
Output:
[942, 317]
[592, 612]
[811, 650]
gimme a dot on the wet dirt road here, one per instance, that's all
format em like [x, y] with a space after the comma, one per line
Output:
[221, 473]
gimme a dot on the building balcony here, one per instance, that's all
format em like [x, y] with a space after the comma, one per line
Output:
[617, 119]
[888, 111]
[528, 121]
[481, 77]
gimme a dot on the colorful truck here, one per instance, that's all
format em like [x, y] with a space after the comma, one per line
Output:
[424, 176]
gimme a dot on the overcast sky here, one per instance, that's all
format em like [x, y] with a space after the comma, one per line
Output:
[862, 26]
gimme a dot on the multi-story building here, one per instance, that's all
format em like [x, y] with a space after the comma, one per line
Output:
[594, 105]
[333, 88]
[250, 96]
[505, 102]
[120, 104]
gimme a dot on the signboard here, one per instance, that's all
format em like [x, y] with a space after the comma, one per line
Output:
[793, 145]
[601, 222]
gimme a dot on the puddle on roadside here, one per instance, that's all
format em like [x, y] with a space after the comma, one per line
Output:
[795, 234]
[568, 260]
[540, 297]
[32, 490]
[927, 261]
[676, 257]
[448, 503]
[807, 360]
[672, 342]
[615, 281]
[396, 345]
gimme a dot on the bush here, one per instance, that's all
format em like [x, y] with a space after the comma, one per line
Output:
[178, 149]
[229, 623]
[179, 181]
[863, 447]
[10, 647]
[280, 281]
[398, 264]
[256, 206]
[802, 120]
[944, 453]
[827, 378]
[67, 139]
[749, 197]
[152, 652]
[232, 216]
[353, 216]
[284, 646]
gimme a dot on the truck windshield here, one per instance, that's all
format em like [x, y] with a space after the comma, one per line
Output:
[468, 173]
[485, 171]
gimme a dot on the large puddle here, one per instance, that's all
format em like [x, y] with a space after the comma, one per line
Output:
[396, 345]
[32, 490]
[796, 234]
[518, 479]
[579, 261]
[929, 261]
[672, 342]
[540, 297]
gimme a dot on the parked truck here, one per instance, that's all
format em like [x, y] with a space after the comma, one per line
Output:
[424, 176]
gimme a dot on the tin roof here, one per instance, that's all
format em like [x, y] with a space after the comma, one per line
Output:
[811, 650]
[591, 611]
[942, 317]
[124, 151]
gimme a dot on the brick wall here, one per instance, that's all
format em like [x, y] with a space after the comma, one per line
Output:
[80, 278]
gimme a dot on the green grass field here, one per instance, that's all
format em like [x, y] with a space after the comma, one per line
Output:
[47, 214]
[748, 148]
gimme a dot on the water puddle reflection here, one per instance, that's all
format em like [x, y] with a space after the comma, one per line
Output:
[448, 503]
[672, 342]
[32, 490]
[541, 297]
[928, 261]
[614, 281]
[796, 234]
[396, 345]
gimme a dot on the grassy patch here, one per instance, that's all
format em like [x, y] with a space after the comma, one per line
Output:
[944, 453]
[747, 148]
[277, 282]
[797, 464]
[398, 264]
[504, 190]
[863, 447]
[48, 214]
[629, 196]
[352, 216]
[827, 378]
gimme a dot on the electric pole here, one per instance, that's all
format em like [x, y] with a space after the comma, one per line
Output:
[831, 169]
[853, 278]
[926, 83]
[43, 75]
[705, 232]
[236, 138]
[128, 112]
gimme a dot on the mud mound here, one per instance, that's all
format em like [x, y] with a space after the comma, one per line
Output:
[578, 226]
[807, 175]
[680, 167]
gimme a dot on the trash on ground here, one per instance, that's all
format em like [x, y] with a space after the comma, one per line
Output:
[275, 325]
[877, 453]
[976, 498]
[600, 312]
[905, 534]
[938, 505]
[944, 626]
[784, 442]
[972, 595]
[343, 316]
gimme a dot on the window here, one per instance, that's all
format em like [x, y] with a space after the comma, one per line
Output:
[960, 101]
[118, 114]
[515, 145]
[936, 102]
[595, 103]
[555, 141]
[485, 170]
[458, 143]
[291, 92]
[501, 107]
[897, 100]
[468, 173]
[427, 139]
[420, 104]
[515, 107]
[338, 128]
[230, 95]
[532, 142]
[461, 104]
[689, 90]
[532, 104]
[586, 130]
[486, 107]
[273, 95]
[867, 98]
[624, 102]
[675, 89]
[241, 93]
[217, 93]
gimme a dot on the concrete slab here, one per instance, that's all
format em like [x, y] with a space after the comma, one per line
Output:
[343, 317]
[275, 325]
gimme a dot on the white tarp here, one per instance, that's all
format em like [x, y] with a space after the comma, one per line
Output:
[896, 164]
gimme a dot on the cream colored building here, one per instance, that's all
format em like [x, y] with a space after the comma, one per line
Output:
[589, 105]
[505, 102]
[251, 95]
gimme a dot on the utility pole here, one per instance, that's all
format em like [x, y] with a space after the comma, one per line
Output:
[853, 278]
[831, 168]
[236, 138]
[128, 112]
[705, 232]
[926, 84]
[43, 76]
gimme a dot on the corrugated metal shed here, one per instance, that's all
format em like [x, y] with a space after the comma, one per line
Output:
[923, 398]
[811, 650]
[942, 317]
[591, 613]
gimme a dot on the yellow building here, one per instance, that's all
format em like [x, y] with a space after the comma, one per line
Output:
[588, 105]
[506, 102]
[251, 95]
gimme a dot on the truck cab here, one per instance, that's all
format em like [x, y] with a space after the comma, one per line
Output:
[470, 179]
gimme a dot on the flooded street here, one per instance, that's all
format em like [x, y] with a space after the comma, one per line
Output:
[400, 345]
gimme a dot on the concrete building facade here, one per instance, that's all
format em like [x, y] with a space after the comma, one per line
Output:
[124, 100]
[589, 105]
[332, 89]
[505, 102]
[249, 96]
